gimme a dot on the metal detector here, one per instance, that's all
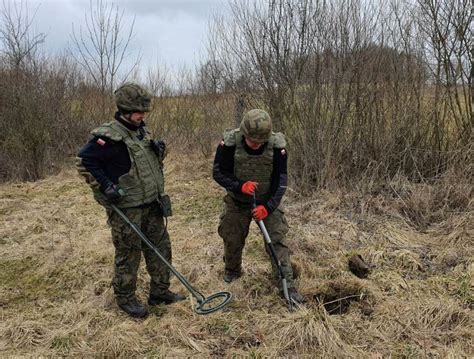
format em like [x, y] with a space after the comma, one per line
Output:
[203, 303]
[274, 258]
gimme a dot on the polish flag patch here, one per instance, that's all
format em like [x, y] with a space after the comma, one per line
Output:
[100, 141]
[283, 152]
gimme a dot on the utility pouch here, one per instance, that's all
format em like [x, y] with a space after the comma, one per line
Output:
[165, 205]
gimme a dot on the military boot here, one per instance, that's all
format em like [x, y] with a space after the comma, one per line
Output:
[133, 308]
[167, 297]
[230, 276]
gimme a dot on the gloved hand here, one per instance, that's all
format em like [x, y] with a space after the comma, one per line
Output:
[160, 145]
[249, 187]
[259, 213]
[113, 193]
[160, 150]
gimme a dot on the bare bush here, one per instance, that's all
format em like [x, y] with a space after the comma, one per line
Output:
[41, 117]
[362, 89]
[188, 117]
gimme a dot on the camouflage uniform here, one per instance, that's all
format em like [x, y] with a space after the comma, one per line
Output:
[128, 248]
[236, 216]
[234, 228]
[143, 187]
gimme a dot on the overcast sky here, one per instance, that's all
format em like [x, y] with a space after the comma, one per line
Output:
[168, 32]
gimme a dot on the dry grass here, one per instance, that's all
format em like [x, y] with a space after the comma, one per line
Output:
[56, 267]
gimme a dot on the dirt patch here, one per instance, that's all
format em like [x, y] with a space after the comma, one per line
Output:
[337, 296]
[358, 266]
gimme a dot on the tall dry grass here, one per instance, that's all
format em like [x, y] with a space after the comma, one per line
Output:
[57, 259]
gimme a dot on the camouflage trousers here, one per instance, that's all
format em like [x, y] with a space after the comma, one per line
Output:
[234, 228]
[128, 249]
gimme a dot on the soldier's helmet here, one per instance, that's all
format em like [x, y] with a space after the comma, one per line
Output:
[131, 97]
[256, 126]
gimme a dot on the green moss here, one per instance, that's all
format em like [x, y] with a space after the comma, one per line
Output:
[17, 279]
[13, 269]
[255, 354]
[464, 289]
[158, 310]
[23, 282]
[62, 343]
[409, 351]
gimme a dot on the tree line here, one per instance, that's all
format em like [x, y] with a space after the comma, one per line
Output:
[363, 90]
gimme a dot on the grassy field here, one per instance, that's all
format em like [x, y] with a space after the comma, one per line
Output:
[56, 262]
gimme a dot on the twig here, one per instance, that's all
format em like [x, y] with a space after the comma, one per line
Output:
[348, 297]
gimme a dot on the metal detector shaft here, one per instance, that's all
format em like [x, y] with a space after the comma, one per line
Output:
[195, 293]
[274, 256]
[269, 243]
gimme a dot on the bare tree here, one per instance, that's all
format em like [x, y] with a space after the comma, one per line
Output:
[103, 44]
[20, 44]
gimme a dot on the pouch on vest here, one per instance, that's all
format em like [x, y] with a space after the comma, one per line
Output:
[165, 205]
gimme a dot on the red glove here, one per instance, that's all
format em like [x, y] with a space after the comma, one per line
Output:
[249, 187]
[259, 213]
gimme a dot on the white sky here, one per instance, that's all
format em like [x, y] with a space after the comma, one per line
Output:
[167, 32]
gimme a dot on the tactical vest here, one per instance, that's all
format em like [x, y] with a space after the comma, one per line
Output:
[256, 168]
[144, 183]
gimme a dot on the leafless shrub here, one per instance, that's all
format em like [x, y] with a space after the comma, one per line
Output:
[41, 114]
[362, 89]
[189, 118]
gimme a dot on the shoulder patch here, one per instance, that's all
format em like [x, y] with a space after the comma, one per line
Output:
[100, 141]
[283, 152]
[221, 143]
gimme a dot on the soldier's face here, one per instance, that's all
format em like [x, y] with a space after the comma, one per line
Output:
[137, 117]
[253, 145]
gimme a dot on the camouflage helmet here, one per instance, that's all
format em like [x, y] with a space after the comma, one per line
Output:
[131, 97]
[256, 126]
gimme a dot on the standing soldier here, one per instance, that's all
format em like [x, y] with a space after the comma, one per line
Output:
[253, 160]
[124, 166]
